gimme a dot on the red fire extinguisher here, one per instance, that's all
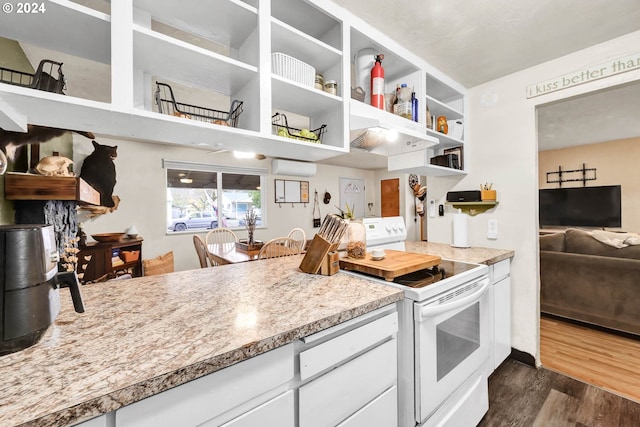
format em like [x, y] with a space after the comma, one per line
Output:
[377, 83]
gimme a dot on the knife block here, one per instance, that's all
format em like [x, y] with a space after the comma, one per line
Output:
[316, 254]
[331, 264]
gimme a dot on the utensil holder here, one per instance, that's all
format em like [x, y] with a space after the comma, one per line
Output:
[316, 254]
[488, 195]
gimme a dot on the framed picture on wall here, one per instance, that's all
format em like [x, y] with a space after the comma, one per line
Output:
[459, 152]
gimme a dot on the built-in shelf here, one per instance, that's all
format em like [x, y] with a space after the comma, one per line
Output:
[26, 186]
[473, 208]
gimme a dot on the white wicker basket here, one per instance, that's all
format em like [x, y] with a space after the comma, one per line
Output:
[293, 69]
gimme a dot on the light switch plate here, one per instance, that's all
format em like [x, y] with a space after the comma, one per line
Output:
[492, 229]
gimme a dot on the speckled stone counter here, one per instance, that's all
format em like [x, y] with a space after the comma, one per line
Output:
[141, 336]
[475, 255]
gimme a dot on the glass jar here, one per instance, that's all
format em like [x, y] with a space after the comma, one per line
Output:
[331, 86]
[319, 84]
[356, 239]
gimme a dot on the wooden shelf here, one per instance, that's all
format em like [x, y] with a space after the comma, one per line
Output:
[99, 262]
[473, 208]
[24, 186]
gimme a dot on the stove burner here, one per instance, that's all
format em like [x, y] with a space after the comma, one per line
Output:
[422, 278]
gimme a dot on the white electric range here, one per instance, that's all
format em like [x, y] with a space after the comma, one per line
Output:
[443, 336]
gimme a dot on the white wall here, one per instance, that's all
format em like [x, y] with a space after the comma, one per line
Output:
[141, 184]
[503, 150]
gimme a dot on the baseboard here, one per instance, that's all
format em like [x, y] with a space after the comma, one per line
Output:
[522, 356]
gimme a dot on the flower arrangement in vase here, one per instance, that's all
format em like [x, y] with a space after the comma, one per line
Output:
[250, 219]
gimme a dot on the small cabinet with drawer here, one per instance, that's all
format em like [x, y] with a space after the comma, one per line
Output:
[348, 377]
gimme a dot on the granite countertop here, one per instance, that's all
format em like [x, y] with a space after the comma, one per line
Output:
[141, 336]
[476, 255]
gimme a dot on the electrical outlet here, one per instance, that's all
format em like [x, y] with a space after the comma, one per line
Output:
[432, 208]
[492, 229]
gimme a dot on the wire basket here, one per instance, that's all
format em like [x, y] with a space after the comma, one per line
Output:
[293, 69]
[282, 128]
[167, 104]
[42, 79]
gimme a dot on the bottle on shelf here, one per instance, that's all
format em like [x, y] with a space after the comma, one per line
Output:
[377, 83]
[414, 107]
[403, 107]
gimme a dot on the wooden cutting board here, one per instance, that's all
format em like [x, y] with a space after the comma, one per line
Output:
[394, 264]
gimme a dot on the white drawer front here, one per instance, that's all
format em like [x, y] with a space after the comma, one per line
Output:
[331, 398]
[382, 411]
[200, 400]
[279, 411]
[500, 269]
[345, 346]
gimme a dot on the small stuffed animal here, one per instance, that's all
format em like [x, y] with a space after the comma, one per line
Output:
[54, 166]
[99, 171]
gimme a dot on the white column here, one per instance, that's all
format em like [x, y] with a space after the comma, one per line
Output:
[122, 54]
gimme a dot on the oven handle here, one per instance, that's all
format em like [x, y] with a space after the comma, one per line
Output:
[427, 311]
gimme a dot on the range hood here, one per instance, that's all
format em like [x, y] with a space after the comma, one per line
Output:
[369, 125]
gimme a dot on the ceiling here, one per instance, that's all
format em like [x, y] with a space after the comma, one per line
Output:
[481, 40]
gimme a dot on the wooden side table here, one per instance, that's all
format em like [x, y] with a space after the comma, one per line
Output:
[100, 262]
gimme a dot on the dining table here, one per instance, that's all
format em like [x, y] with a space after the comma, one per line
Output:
[228, 253]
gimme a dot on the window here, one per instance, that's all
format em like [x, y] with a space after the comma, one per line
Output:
[201, 196]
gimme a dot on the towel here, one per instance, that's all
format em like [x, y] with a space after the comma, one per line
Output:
[617, 240]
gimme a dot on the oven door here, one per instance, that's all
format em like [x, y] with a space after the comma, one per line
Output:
[451, 343]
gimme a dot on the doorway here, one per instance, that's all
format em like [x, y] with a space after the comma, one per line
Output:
[568, 131]
[390, 197]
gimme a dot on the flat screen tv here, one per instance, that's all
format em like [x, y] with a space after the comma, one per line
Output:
[582, 206]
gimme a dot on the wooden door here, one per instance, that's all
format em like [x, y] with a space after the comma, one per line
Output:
[390, 197]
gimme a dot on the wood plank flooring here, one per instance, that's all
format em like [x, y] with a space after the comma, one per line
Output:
[605, 360]
[589, 378]
[523, 396]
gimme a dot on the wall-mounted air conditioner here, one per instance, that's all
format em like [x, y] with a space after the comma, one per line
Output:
[289, 167]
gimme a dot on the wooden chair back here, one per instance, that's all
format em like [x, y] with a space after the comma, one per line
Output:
[201, 250]
[279, 247]
[220, 235]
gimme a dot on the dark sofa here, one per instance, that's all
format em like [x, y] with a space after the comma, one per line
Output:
[584, 279]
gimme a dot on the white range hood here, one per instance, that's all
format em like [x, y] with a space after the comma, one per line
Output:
[411, 135]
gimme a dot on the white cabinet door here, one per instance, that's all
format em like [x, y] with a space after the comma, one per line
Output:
[279, 411]
[502, 320]
[206, 398]
[331, 398]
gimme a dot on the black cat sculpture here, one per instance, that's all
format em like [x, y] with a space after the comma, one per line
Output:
[99, 171]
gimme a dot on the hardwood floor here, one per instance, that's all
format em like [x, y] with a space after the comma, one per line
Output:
[589, 378]
[599, 358]
[523, 396]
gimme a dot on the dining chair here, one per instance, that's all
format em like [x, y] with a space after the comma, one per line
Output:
[221, 235]
[201, 250]
[279, 247]
[300, 236]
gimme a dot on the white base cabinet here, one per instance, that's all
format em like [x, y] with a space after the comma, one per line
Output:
[346, 376]
[500, 320]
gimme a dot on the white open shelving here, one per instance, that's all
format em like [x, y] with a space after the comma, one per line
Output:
[224, 48]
